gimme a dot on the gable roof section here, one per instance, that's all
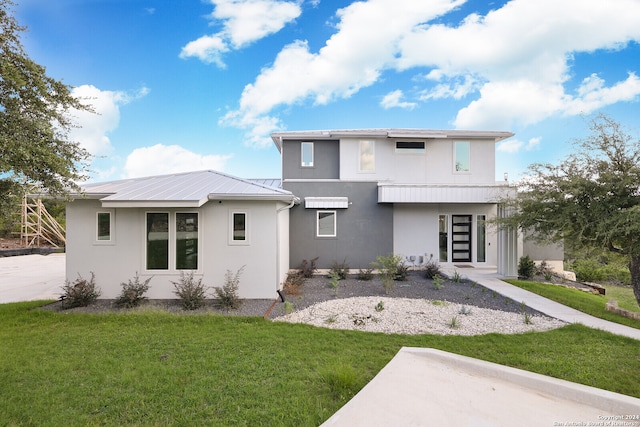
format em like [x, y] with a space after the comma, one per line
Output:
[182, 190]
[278, 137]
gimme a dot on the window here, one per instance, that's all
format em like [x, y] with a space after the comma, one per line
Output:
[306, 150]
[410, 147]
[482, 238]
[443, 238]
[239, 224]
[462, 156]
[326, 224]
[104, 226]
[187, 241]
[157, 241]
[367, 156]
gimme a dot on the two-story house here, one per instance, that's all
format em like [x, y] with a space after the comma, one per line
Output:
[349, 196]
[422, 194]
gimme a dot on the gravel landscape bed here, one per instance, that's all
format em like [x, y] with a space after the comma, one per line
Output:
[413, 306]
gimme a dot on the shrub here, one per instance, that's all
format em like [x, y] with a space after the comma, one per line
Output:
[366, 274]
[227, 296]
[431, 269]
[438, 282]
[526, 267]
[81, 292]
[191, 292]
[545, 270]
[133, 292]
[340, 269]
[392, 266]
[307, 268]
[293, 283]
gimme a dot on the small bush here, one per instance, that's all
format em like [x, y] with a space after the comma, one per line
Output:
[333, 282]
[545, 270]
[340, 269]
[293, 283]
[191, 292]
[133, 292]
[81, 292]
[431, 269]
[366, 274]
[392, 266]
[526, 267]
[307, 268]
[227, 296]
[438, 282]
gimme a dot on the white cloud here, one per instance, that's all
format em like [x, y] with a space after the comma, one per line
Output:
[208, 49]
[244, 22]
[94, 128]
[163, 159]
[354, 57]
[514, 63]
[521, 53]
[515, 145]
[394, 100]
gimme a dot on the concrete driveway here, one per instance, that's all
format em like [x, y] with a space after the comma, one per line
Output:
[31, 277]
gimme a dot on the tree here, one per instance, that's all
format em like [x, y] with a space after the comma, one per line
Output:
[34, 118]
[591, 199]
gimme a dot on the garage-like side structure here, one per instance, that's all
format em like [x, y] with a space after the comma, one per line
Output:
[204, 222]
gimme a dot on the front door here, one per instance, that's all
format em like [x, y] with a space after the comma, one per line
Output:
[461, 238]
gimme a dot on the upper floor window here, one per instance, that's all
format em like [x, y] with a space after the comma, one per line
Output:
[104, 226]
[367, 158]
[306, 151]
[462, 156]
[410, 147]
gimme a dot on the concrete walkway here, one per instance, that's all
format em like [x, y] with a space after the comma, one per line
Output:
[489, 279]
[31, 277]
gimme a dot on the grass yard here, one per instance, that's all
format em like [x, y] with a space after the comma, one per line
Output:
[587, 303]
[154, 368]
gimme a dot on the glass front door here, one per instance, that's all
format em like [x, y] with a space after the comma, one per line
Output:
[461, 238]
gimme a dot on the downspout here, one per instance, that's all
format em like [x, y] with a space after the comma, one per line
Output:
[294, 200]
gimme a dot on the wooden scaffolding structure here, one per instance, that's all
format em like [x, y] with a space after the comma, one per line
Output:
[38, 227]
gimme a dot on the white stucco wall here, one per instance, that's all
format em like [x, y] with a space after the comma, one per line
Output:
[415, 229]
[434, 166]
[118, 261]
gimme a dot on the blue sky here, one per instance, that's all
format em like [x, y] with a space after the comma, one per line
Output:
[200, 84]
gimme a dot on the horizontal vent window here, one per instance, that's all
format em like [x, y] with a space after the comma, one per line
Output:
[417, 146]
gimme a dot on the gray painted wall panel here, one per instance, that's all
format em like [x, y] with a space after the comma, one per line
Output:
[364, 229]
[326, 160]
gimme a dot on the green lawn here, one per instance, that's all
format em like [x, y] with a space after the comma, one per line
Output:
[154, 368]
[587, 303]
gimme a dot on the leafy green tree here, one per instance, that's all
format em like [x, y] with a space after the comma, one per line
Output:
[34, 118]
[591, 199]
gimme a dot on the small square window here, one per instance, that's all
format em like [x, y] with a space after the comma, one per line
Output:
[326, 224]
[104, 226]
[306, 150]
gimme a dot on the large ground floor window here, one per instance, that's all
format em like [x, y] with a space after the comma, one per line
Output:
[172, 236]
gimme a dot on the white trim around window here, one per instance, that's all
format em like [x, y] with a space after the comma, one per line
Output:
[326, 224]
[105, 228]
[239, 230]
[306, 154]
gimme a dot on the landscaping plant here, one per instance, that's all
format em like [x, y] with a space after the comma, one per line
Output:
[133, 292]
[81, 292]
[227, 296]
[192, 293]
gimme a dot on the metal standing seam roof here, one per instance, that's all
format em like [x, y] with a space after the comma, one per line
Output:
[191, 189]
[409, 133]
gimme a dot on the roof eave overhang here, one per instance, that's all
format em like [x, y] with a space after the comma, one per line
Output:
[254, 197]
[152, 204]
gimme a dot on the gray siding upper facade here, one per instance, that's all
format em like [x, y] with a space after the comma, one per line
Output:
[326, 160]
